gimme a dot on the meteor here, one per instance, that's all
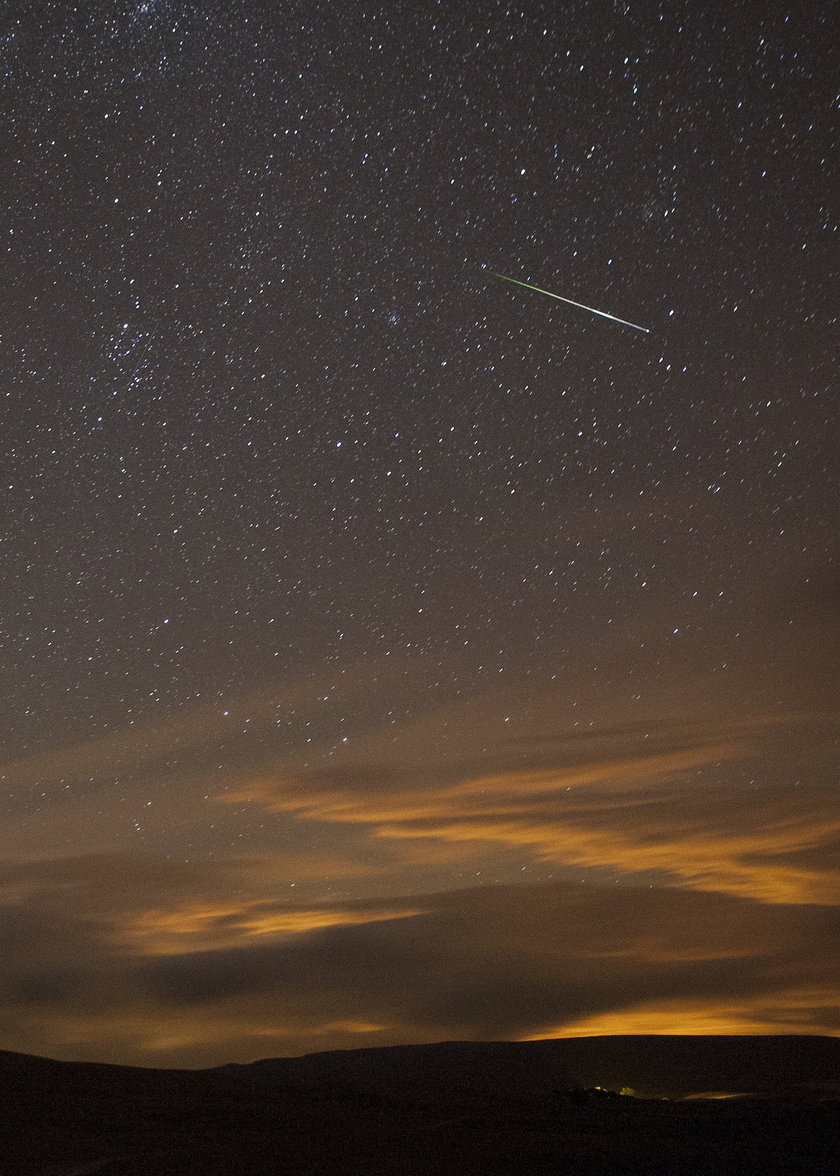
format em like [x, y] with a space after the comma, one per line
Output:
[571, 302]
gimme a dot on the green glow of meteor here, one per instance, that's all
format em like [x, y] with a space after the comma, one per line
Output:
[571, 302]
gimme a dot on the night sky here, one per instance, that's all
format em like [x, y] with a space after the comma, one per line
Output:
[391, 653]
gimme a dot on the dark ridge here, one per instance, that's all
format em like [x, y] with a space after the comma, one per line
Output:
[465, 1108]
[653, 1066]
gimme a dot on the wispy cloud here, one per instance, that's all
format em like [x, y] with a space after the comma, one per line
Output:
[105, 979]
[677, 811]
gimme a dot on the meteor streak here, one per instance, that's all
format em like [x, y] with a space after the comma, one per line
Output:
[571, 302]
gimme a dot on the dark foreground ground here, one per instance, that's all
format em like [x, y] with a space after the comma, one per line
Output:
[430, 1110]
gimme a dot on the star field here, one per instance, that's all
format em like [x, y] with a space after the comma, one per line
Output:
[339, 573]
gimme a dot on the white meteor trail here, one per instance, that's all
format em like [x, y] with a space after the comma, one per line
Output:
[571, 302]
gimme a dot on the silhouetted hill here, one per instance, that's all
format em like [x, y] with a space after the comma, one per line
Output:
[654, 1067]
[488, 1108]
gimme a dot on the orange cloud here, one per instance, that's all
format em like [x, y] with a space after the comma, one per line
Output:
[641, 814]
[499, 793]
[794, 1011]
[196, 927]
[705, 860]
[157, 972]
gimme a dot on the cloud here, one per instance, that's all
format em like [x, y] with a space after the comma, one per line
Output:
[199, 927]
[678, 805]
[805, 1009]
[102, 977]
[689, 883]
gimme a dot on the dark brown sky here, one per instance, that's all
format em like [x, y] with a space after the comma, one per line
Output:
[391, 654]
